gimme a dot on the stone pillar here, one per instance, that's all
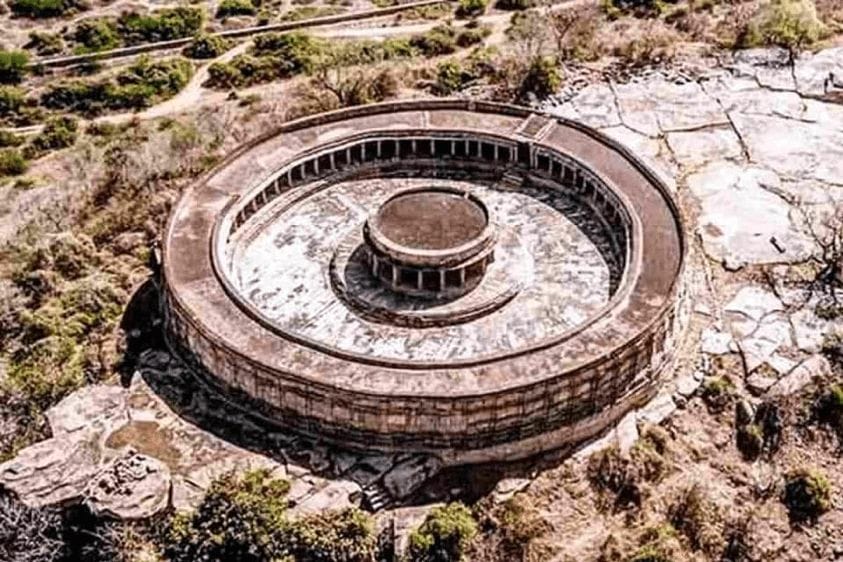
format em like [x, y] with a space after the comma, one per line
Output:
[419, 279]
[348, 155]
[378, 153]
[467, 153]
[453, 147]
[441, 279]
[316, 165]
[413, 146]
[374, 266]
[394, 276]
[494, 144]
[290, 177]
[331, 160]
[462, 277]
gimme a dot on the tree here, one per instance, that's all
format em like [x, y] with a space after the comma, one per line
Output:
[29, 534]
[541, 80]
[792, 24]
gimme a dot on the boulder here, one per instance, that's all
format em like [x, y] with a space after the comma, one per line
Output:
[408, 475]
[810, 369]
[132, 486]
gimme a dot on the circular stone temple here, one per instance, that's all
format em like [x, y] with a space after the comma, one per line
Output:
[430, 242]
[470, 280]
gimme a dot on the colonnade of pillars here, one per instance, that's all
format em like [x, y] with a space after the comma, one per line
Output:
[409, 279]
[375, 150]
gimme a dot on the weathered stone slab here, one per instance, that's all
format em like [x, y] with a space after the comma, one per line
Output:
[814, 367]
[408, 475]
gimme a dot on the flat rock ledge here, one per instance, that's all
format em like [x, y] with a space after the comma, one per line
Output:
[133, 452]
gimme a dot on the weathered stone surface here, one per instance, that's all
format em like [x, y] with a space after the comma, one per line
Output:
[759, 382]
[754, 302]
[695, 148]
[94, 407]
[627, 432]
[337, 494]
[406, 476]
[809, 330]
[132, 486]
[687, 384]
[741, 221]
[657, 410]
[817, 74]
[661, 106]
[810, 369]
[508, 487]
[715, 342]
[54, 471]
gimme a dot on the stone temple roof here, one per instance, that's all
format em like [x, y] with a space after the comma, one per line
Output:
[431, 219]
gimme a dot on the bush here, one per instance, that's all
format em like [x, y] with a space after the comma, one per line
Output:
[697, 517]
[471, 8]
[11, 100]
[640, 8]
[718, 393]
[450, 78]
[236, 8]
[240, 518]
[12, 162]
[12, 66]
[142, 84]
[515, 4]
[96, 34]
[541, 80]
[206, 46]
[444, 535]
[243, 518]
[8, 138]
[347, 535]
[807, 495]
[59, 132]
[792, 24]
[658, 544]
[160, 25]
[441, 40]
[45, 43]
[29, 534]
[42, 8]
[829, 408]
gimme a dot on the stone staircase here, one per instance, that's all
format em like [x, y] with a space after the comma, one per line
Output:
[376, 498]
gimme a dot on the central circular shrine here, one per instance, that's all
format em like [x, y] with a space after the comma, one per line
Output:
[468, 280]
[430, 242]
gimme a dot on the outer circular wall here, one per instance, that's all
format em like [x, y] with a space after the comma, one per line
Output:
[507, 406]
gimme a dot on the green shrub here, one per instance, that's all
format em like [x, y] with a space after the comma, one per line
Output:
[96, 34]
[472, 34]
[8, 138]
[658, 544]
[792, 24]
[308, 12]
[240, 518]
[142, 84]
[542, 79]
[42, 8]
[206, 46]
[807, 495]
[334, 536]
[236, 8]
[441, 40]
[12, 162]
[160, 25]
[641, 8]
[45, 43]
[750, 440]
[444, 535]
[471, 8]
[59, 132]
[450, 78]
[11, 100]
[514, 4]
[12, 66]
[718, 393]
[243, 518]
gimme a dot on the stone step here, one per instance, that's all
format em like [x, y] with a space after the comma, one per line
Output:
[376, 498]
